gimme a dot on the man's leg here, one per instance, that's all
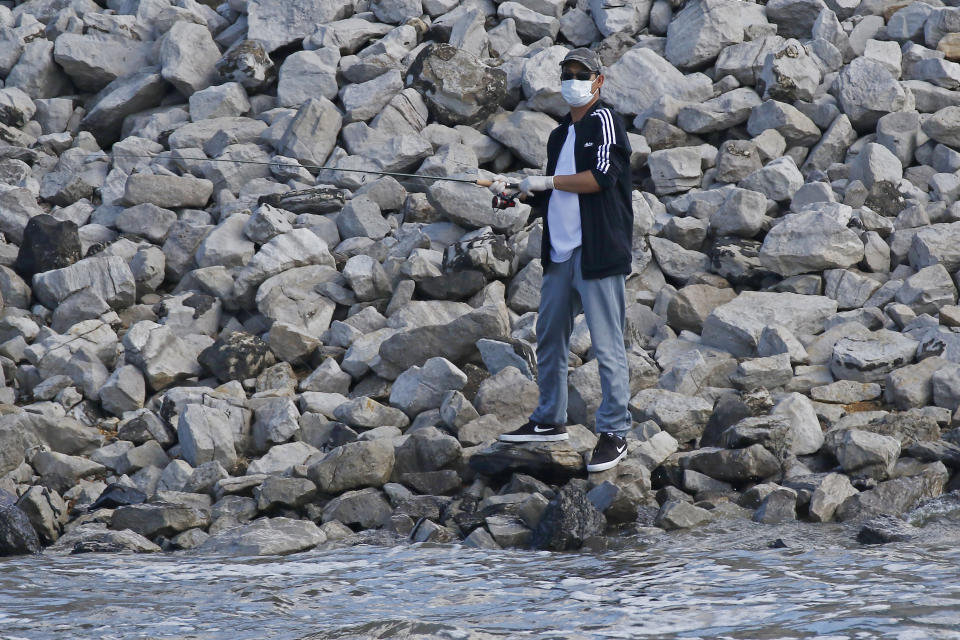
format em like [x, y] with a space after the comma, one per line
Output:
[558, 307]
[604, 306]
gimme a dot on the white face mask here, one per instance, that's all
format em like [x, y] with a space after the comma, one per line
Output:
[576, 93]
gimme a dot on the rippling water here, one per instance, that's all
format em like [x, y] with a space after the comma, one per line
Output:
[721, 581]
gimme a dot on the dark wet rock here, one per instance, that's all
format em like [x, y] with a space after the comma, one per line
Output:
[547, 461]
[266, 536]
[734, 465]
[884, 529]
[48, 244]
[17, 535]
[96, 538]
[239, 356]
[427, 449]
[894, 497]
[161, 519]
[118, 495]
[778, 507]
[453, 341]
[361, 509]
[936, 451]
[730, 409]
[316, 200]
[678, 514]
[568, 520]
[458, 87]
[455, 285]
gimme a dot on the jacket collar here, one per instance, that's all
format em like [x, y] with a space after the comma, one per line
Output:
[567, 118]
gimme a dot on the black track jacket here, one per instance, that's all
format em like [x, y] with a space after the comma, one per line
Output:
[606, 217]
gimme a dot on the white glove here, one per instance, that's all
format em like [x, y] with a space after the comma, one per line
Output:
[499, 184]
[536, 183]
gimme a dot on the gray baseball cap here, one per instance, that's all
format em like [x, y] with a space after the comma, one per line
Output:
[586, 57]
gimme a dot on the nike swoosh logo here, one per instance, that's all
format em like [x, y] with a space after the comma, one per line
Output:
[620, 449]
[539, 430]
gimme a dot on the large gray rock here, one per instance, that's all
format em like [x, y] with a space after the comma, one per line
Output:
[811, 241]
[896, 496]
[167, 191]
[419, 389]
[364, 508]
[37, 73]
[677, 514]
[738, 325]
[247, 62]
[794, 18]
[454, 340]
[353, 466]
[944, 126]
[869, 358]
[833, 490]
[699, 32]
[17, 535]
[786, 119]
[569, 519]
[124, 96]
[720, 113]
[684, 417]
[629, 97]
[275, 421]
[548, 461]
[93, 62]
[96, 538]
[675, 170]
[734, 465]
[312, 133]
[509, 395]
[160, 354]
[805, 434]
[161, 519]
[277, 23]
[306, 74]
[523, 132]
[458, 87]
[206, 434]
[789, 74]
[867, 91]
[109, 277]
[265, 537]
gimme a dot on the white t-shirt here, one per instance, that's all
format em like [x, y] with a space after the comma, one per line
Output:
[563, 211]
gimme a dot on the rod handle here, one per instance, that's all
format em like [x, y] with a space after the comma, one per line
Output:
[483, 182]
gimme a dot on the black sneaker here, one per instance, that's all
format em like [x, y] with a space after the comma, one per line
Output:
[536, 432]
[610, 450]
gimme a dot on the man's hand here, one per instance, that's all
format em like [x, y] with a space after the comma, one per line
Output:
[499, 184]
[535, 183]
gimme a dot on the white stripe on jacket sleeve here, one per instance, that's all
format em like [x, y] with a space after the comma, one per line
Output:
[609, 137]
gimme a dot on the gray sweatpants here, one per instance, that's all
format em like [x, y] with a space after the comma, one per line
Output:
[563, 295]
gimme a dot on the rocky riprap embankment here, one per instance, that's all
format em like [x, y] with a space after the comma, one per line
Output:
[256, 358]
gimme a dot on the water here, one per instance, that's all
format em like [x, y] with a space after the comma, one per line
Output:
[721, 581]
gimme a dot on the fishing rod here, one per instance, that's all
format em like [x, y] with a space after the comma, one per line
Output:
[500, 201]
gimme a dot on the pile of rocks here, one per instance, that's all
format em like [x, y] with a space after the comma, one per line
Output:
[208, 341]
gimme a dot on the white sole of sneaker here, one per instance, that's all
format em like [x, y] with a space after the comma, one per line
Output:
[594, 468]
[556, 437]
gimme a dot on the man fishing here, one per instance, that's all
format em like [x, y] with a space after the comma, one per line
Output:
[585, 200]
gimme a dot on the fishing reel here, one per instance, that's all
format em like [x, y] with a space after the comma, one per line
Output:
[505, 201]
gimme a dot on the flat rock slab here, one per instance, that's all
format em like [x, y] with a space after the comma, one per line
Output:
[97, 538]
[266, 537]
[159, 519]
[884, 529]
[568, 520]
[548, 461]
[737, 325]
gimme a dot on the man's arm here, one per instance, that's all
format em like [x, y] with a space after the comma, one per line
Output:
[583, 182]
